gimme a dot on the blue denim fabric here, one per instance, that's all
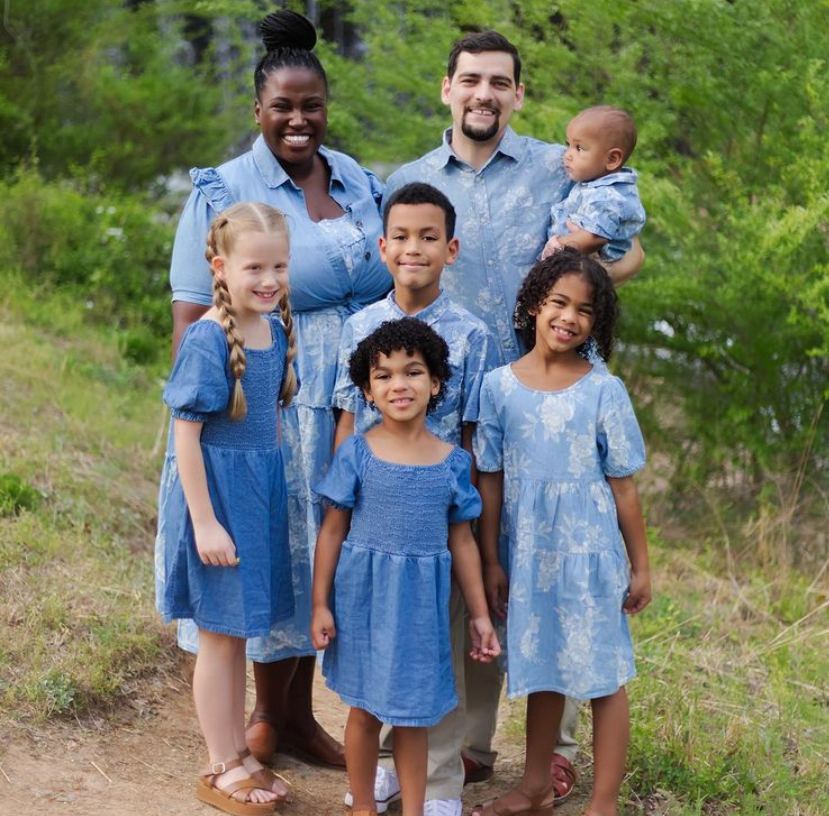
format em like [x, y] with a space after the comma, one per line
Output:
[608, 207]
[392, 654]
[560, 542]
[503, 215]
[471, 354]
[246, 481]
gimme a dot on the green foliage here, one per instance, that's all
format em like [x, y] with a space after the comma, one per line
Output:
[16, 494]
[113, 90]
[110, 252]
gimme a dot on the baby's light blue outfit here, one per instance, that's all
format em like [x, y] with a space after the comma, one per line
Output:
[335, 270]
[608, 207]
[560, 542]
[471, 354]
[247, 488]
[392, 654]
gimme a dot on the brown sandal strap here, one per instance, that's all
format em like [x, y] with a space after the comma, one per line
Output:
[216, 768]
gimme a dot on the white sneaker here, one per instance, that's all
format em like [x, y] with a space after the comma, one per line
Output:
[442, 807]
[386, 790]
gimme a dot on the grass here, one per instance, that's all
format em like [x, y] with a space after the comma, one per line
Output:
[730, 713]
[79, 451]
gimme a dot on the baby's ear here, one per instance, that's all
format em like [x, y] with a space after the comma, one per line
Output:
[615, 159]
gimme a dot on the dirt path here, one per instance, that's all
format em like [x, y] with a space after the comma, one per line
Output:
[145, 765]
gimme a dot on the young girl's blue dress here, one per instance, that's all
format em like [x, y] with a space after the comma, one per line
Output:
[560, 542]
[392, 654]
[246, 482]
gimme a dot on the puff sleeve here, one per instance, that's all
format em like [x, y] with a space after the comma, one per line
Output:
[466, 502]
[190, 277]
[488, 443]
[620, 442]
[199, 384]
[341, 485]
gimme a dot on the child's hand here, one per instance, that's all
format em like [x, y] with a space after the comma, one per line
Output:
[215, 546]
[323, 630]
[551, 247]
[485, 646]
[496, 587]
[639, 595]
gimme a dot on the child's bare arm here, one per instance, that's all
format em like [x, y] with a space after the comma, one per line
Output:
[491, 488]
[213, 542]
[345, 428]
[332, 533]
[632, 525]
[466, 565]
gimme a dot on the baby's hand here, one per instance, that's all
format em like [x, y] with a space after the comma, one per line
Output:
[496, 587]
[485, 646]
[323, 630]
[551, 247]
[639, 595]
[215, 546]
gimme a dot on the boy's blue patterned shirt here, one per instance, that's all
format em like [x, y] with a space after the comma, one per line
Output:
[471, 355]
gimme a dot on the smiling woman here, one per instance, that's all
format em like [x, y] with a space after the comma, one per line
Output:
[332, 207]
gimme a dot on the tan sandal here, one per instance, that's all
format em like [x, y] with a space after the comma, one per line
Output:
[222, 798]
[350, 812]
[541, 805]
[267, 777]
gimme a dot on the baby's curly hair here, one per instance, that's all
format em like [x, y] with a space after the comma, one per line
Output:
[407, 334]
[540, 281]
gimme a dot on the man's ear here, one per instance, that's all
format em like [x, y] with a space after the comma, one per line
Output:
[444, 90]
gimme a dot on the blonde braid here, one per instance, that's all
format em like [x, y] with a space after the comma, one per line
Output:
[236, 343]
[289, 383]
[236, 346]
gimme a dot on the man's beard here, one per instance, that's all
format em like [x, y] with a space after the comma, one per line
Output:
[477, 134]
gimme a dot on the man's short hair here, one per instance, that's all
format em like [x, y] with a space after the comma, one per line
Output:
[479, 41]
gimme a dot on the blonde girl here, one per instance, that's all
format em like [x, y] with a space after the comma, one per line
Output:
[223, 533]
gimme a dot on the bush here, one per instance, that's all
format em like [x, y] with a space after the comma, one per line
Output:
[110, 252]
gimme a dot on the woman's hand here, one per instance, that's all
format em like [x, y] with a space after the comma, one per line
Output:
[323, 630]
[215, 546]
[639, 594]
[485, 646]
[496, 587]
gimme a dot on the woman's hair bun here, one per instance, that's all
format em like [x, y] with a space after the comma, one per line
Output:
[287, 29]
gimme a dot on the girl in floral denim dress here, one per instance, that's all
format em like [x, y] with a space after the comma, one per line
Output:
[562, 533]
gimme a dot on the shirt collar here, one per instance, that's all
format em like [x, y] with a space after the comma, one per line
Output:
[627, 175]
[275, 176]
[428, 315]
[510, 145]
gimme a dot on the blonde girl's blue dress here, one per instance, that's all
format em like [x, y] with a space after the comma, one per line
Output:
[246, 482]
[392, 654]
[560, 543]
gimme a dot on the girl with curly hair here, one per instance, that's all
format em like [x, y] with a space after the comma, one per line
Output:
[562, 534]
[398, 524]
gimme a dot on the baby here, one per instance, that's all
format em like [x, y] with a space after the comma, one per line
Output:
[602, 213]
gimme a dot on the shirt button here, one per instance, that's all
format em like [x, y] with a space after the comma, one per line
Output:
[359, 223]
[367, 256]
